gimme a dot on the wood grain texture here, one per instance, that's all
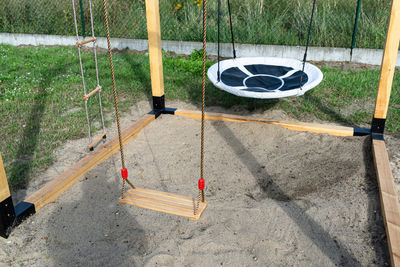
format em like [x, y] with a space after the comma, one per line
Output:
[388, 62]
[97, 141]
[292, 125]
[155, 55]
[86, 41]
[389, 200]
[163, 202]
[4, 189]
[50, 191]
[98, 88]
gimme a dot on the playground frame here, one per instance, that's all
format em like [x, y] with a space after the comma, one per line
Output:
[11, 216]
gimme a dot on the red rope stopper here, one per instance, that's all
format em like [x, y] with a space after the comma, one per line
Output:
[124, 173]
[202, 184]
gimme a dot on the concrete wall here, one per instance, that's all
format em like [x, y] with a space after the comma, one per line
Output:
[366, 56]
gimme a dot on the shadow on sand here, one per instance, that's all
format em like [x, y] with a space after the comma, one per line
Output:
[92, 229]
[330, 246]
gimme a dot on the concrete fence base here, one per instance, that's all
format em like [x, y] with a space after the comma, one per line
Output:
[330, 54]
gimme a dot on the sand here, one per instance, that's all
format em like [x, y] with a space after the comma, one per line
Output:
[276, 198]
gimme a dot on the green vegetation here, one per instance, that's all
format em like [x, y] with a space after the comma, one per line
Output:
[41, 103]
[281, 22]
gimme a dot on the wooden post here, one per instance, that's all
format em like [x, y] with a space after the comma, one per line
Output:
[389, 201]
[7, 213]
[155, 54]
[4, 189]
[388, 62]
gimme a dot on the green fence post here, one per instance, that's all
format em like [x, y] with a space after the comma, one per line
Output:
[83, 20]
[353, 40]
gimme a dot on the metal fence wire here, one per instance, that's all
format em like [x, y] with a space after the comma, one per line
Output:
[280, 22]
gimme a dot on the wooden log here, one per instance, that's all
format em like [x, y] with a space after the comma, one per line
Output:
[50, 191]
[292, 125]
[98, 88]
[388, 62]
[85, 42]
[164, 202]
[155, 54]
[389, 200]
[4, 188]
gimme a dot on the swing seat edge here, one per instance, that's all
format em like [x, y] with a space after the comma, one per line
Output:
[164, 202]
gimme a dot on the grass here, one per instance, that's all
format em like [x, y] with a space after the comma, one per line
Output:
[41, 103]
[280, 22]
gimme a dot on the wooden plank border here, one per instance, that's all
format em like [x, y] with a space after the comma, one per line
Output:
[292, 125]
[50, 191]
[389, 200]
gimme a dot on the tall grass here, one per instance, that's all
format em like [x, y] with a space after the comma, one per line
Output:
[281, 22]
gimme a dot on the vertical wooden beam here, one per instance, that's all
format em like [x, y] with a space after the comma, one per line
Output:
[388, 62]
[7, 213]
[4, 189]
[154, 36]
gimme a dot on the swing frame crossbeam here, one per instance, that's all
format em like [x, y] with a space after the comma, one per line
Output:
[11, 216]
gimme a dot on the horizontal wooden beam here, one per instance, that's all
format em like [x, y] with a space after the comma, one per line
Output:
[389, 200]
[50, 191]
[292, 125]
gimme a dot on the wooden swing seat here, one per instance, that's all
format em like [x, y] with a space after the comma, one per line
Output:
[163, 202]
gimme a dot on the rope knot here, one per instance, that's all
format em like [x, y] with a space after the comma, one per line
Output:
[124, 173]
[202, 184]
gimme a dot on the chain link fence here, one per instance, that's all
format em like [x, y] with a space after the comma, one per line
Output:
[279, 22]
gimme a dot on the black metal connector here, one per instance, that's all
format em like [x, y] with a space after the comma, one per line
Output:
[159, 107]
[361, 132]
[7, 217]
[378, 129]
[157, 113]
[23, 210]
[10, 217]
[378, 125]
[158, 102]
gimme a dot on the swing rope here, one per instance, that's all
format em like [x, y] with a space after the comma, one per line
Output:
[219, 35]
[97, 69]
[308, 43]
[201, 180]
[219, 39]
[124, 171]
[79, 46]
[231, 27]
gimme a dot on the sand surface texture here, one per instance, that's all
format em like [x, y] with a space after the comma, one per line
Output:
[276, 198]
